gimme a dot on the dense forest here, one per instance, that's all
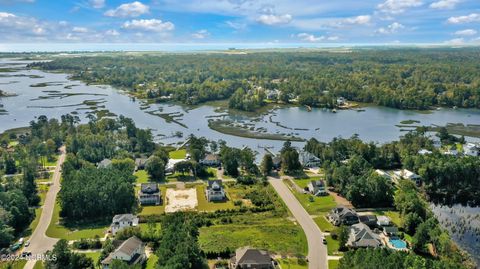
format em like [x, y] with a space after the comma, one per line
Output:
[400, 78]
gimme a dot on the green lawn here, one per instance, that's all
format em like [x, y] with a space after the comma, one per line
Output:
[332, 246]
[315, 205]
[46, 162]
[303, 182]
[292, 263]
[14, 265]
[333, 264]
[142, 176]
[56, 230]
[151, 262]
[39, 265]
[178, 154]
[275, 234]
[323, 223]
[94, 256]
[204, 205]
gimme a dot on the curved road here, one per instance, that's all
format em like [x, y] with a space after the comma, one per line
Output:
[317, 251]
[39, 242]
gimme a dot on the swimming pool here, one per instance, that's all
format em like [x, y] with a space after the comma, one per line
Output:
[398, 243]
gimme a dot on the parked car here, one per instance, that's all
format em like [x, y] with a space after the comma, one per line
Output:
[27, 243]
[324, 241]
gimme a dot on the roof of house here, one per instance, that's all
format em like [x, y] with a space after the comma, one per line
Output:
[317, 183]
[383, 219]
[104, 163]
[149, 188]
[128, 248]
[368, 218]
[343, 211]
[390, 229]
[362, 236]
[140, 161]
[211, 157]
[215, 184]
[247, 255]
[123, 217]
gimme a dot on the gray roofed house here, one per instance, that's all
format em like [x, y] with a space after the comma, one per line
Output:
[361, 236]
[309, 160]
[251, 258]
[140, 163]
[215, 191]
[317, 188]
[390, 230]
[105, 163]
[211, 160]
[123, 221]
[343, 215]
[149, 194]
[131, 251]
[370, 220]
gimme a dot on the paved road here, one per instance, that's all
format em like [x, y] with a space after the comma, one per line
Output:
[317, 251]
[39, 242]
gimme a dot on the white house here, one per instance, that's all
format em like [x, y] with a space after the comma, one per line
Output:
[406, 174]
[309, 160]
[341, 101]
[215, 191]
[211, 160]
[317, 188]
[436, 142]
[149, 194]
[131, 251]
[471, 149]
[123, 221]
[383, 221]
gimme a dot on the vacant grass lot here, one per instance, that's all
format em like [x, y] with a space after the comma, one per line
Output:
[332, 246]
[178, 154]
[57, 230]
[205, 205]
[316, 205]
[292, 263]
[265, 231]
[333, 264]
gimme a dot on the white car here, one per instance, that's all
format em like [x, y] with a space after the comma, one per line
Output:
[27, 243]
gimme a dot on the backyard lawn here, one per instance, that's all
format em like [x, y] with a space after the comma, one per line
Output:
[303, 182]
[94, 255]
[151, 262]
[332, 246]
[323, 223]
[142, 176]
[178, 154]
[273, 233]
[315, 205]
[56, 230]
[204, 205]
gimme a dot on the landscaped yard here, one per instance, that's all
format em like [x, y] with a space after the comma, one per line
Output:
[332, 246]
[204, 205]
[276, 234]
[178, 154]
[142, 176]
[333, 264]
[56, 230]
[94, 255]
[323, 223]
[293, 263]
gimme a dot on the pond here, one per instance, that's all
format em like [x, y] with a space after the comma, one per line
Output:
[54, 94]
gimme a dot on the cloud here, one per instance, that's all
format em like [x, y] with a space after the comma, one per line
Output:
[455, 41]
[329, 23]
[79, 30]
[398, 6]
[466, 32]
[133, 9]
[312, 38]
[97, 3]
[236, 25]
[362, 19]
[474, 17]
[152, 25]
[112, 32]
[272, 19]
[201, 34]
[444, 4]
[390, 29]
[21, 25]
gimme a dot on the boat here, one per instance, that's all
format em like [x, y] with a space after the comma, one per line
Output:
[334, 110]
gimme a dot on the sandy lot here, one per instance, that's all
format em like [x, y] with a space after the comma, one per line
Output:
[181, 200]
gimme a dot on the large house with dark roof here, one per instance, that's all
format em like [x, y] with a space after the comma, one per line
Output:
[361, 236]
[250, 258]
[215, 191]
[150, 194]
[131, 251]
[343, 216]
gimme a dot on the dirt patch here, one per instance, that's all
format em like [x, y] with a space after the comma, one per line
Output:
[181, 200]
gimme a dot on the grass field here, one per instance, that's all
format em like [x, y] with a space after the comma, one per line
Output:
[333, 264]
[292, 263]
[204, 205]
[151, 262]
[56, 230]
[332, 246]
[316, 205]
[39, 265]
[142, 176]
[178, 154]
[13, 265]
[93, 255]
[323, 223]
[256, 230]
[303, 182]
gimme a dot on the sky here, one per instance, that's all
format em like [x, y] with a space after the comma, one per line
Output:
[310, 22]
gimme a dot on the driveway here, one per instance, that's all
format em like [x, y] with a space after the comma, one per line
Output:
[39, 242]
[317, 251]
